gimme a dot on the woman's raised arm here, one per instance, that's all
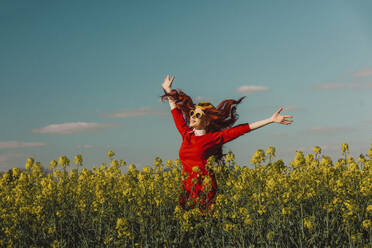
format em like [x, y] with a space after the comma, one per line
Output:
[167, 86]
[275, 118]
[234, 132]
[176, 113]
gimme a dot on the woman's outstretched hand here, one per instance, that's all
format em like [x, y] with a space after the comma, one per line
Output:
[282, 119]
[167, 84]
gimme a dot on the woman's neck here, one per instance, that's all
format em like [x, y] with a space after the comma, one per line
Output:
[199, 132]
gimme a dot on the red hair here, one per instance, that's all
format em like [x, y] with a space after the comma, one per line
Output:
[221, 117]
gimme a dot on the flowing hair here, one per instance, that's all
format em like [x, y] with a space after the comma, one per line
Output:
[221, 117]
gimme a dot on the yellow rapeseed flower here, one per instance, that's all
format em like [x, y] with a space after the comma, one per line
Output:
[132, 167]
[317, 150]
[309, 158]
[122, 162]
[207, 183]
[122, 227]
[367, 224]
[326, 161]
[110, 154]
[30, 160]
[229, 226]
[194, 180]
[169, 163]
[29, 163]
[309, 222]
[345, 149]
[258, 156]
[286, 210]
[361, 158]
[52, 229]
[78, 159]
[16, 172]
[53, 164]
[299, 159]
[63, 161]
[270, 151]
[369, 210]
[350, 160]
[148, 169]
[262, 210]
[270, 235]
[353, 166]
[114, 163]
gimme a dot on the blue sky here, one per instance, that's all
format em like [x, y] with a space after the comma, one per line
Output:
[84, 77]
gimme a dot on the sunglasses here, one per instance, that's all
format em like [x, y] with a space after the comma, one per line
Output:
[197, 114]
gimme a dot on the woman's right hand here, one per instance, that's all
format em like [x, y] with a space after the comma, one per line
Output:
[167, 84]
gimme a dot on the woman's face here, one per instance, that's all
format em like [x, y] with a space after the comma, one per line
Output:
[199, 123]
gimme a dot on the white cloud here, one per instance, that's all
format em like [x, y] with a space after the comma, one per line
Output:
[291, 108]
[85, 146]
[200, 99]
[4, 157]
[331, 147]
[73, 127]
[4, 160]
[262, 108]
[20, 144]
[134, 113]
[251, 88]
[360, 77]
[343, 86]
[364, 123]
[330, 129]
[287, 154]
[362, 73]
[279, 134]
[273, 109]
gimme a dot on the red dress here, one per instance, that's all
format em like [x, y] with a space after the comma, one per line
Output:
[195, 151]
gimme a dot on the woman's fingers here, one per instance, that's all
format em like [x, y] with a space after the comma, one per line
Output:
[279, 110]
[282, 119]
[167, 84]
[287, 119]
[167, 81]
[286, 122]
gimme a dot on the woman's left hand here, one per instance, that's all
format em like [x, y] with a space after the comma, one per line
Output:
[282, 119]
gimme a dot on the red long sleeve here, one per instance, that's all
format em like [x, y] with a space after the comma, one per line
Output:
[180, 122]
[227, 134]
[232, 133]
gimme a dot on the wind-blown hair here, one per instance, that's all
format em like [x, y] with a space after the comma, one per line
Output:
[221, 117]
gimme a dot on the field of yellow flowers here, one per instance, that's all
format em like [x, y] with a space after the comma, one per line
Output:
[311, 202]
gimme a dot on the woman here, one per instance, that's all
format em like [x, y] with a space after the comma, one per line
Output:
[207, 130]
